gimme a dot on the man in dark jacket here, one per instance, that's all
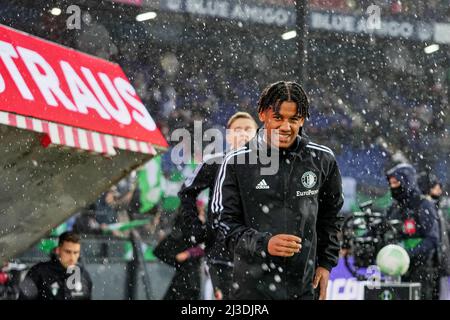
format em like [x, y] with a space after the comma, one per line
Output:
[283, 228]
[175, 251]
[241, 127]
[420, 232]
[431, 187]
[61, 278]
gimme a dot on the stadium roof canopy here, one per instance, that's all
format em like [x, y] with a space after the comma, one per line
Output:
[71, 125]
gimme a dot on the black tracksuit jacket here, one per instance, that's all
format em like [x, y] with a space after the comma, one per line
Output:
[204, 178]
[51, 281]
[303, 198]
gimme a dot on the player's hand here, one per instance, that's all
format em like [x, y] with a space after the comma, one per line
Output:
[321, 280]
[182, 256]
[284, 245]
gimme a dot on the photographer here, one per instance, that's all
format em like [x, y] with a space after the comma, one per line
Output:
[420, 233]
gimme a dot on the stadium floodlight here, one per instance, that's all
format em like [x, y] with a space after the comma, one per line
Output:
[431, 48]
[55, 11]
[289, 35]
[146, 16]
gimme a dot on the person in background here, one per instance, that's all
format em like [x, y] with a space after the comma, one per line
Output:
[420, 233]
[431, 188]
[282, 227]
[61, 278]
[241, 127]
[175, 251]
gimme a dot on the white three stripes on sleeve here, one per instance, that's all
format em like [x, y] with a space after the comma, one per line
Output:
[217, 197]
[319, 147]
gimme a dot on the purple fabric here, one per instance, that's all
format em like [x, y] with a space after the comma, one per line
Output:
[195, 252]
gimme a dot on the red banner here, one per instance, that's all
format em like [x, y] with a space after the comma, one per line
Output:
[47, 81]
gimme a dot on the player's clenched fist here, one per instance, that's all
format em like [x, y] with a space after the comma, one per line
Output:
[284, 245]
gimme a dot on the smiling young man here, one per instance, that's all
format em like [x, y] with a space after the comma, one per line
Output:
[283, 227]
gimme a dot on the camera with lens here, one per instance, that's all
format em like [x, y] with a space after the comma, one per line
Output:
[365, 233]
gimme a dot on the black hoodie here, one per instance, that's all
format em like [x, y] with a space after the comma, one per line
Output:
[418, 214]
[51, 281]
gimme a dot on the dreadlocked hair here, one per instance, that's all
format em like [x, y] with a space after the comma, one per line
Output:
[284, 91]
